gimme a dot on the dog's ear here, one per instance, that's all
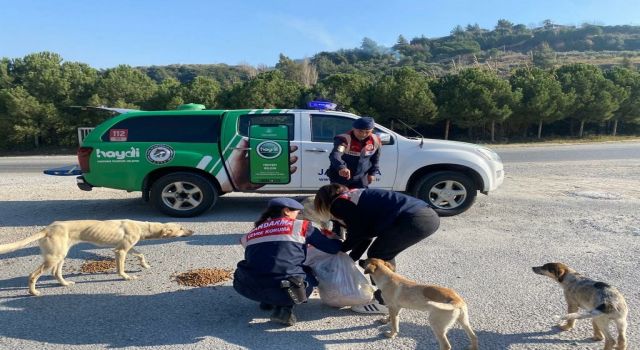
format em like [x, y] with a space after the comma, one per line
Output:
[561, 272]
[557, 269]
[370, 268]
[166, 231]
[390, 265]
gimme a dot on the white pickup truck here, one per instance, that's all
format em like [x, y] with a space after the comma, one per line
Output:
[447, 174]
[183, 160]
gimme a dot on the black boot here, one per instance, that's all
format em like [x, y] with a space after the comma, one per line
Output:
[284, 315]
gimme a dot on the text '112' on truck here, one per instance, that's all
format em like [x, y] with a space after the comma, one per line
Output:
[183, 160]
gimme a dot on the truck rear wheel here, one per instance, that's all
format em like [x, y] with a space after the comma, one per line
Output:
[183, 194]
[449, 193]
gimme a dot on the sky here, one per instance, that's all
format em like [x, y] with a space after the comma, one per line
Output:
[107, 33]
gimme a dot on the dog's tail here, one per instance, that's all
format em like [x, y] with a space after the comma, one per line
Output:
[579, 316]
[604, 308]
[443, 306]
[8, 248]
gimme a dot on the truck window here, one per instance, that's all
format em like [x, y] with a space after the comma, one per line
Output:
[164, 128]
[286, 119]
[325, 127]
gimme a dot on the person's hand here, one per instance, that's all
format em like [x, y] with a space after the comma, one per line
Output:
[345, 172]
[370, 178]
[239, 166]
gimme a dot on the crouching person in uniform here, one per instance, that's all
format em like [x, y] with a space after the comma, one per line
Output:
[272, 271]
[379, 222]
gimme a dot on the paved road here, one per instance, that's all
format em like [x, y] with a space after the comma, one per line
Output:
[584, 213]
[34, 164]
[572, 152]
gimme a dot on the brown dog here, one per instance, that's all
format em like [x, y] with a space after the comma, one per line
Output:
[444, 305]
[602, 302]
[58, 237]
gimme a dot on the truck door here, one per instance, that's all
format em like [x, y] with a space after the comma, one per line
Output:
[318, 131]
[236, 147]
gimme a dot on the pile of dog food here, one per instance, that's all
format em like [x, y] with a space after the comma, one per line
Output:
[93, 266]
[203, 277]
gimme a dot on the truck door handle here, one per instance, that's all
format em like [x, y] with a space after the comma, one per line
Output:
[317, 150]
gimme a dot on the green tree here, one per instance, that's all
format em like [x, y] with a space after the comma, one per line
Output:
[81, 80]
[542, 98]
[6, 80]
[404, 93]
[124, 86]
[304, 72]
[202, 90]
[41, 75]
[348, 91]
[267, 90]
[30, 118]
[595, 97]
[629, 81]
[474, 97]
[166, 95]
[543, 56]
[370, 48]
[504, 27]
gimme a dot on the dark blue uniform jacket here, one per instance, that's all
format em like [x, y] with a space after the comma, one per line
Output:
[368, 212]
[360, 157]
[275, 250]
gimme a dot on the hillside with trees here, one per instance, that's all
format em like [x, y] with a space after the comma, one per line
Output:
[508, 83]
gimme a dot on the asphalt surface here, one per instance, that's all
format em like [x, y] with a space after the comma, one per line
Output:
[569, 152]
[557, 204]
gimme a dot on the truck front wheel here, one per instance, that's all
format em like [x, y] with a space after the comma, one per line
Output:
[449, 193]
[183, 194]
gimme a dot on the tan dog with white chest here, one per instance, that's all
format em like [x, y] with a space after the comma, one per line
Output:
[57, 238]
[603, 303]
[444, 305]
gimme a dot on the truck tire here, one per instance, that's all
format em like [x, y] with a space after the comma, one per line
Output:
[449, 193]
[183, 194]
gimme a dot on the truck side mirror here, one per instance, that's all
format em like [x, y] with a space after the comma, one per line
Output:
[384, 138]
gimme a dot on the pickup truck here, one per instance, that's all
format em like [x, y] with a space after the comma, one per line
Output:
[183, 160]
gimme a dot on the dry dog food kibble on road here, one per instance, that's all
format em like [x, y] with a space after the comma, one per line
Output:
[203, 277]
[91, 266]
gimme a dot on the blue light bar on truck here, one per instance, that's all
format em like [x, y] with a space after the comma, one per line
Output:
[322, 105]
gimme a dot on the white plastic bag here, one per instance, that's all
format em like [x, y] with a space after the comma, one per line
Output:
[340, 282]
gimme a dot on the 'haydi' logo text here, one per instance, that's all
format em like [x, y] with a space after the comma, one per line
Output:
[132, 153]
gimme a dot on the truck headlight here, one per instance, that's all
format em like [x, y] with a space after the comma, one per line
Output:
[489, 154]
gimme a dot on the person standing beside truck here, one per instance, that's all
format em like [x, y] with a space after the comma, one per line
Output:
[355, 155]
[272, 271]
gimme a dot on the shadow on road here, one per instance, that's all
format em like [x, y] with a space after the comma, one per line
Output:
[173, 318]
[188, 316]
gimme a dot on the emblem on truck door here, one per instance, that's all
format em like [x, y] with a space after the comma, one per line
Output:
[160, 154]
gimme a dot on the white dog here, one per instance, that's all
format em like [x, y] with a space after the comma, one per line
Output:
[58, 237]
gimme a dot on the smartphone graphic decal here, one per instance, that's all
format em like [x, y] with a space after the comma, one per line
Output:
[269, 154]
